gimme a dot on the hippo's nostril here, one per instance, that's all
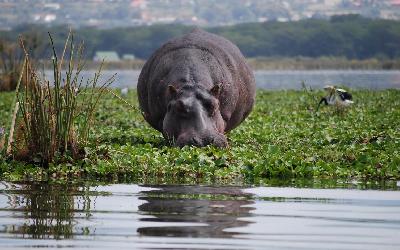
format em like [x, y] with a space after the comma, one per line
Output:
[195, 141]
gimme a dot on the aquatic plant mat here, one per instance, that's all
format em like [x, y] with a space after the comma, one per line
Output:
[282, 138]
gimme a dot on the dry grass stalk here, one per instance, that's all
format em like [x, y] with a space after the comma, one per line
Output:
[2, 139]
[11, 134]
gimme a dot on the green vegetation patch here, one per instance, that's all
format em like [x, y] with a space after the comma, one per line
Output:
[282, 138]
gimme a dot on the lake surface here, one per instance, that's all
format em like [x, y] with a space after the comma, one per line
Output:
[130, 216]
[275, 80]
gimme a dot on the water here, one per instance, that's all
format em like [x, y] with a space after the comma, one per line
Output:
[355, 79]
[129, 216]
[274, 80]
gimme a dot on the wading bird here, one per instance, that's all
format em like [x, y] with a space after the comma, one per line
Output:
[124, 92]
[337, 97]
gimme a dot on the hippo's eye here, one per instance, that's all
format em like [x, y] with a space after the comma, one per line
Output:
[209, 106]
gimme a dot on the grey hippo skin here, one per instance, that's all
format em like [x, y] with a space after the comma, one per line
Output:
[195, 88]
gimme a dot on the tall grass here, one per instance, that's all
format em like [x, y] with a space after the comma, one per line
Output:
[56, 118]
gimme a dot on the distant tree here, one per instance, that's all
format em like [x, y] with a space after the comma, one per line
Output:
[350, 36]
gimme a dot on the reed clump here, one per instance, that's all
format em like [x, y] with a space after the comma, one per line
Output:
[55, 118]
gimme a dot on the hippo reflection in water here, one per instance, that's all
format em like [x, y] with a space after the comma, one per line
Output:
[196, 211]
[195, 88]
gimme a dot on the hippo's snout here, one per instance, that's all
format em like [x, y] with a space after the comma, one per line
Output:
[216, 139]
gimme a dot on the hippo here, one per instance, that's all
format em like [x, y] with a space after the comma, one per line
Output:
[195, 88]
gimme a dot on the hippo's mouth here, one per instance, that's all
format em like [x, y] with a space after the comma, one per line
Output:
[201, 140]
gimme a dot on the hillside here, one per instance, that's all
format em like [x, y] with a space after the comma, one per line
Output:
[349, 36]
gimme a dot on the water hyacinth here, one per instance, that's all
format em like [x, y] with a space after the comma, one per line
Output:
[282, 138]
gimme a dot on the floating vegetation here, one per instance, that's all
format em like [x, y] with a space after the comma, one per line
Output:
[281, 138]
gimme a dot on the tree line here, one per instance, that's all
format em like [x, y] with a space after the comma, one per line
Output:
[350, 36]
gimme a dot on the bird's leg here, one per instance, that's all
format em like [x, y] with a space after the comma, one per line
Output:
[323, 99]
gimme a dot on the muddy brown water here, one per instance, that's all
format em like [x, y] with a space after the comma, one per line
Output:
[131, 216]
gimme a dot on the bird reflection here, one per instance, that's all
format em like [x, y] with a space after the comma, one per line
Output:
[211, 209]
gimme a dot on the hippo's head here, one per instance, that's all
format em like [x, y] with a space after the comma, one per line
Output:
[193, 117]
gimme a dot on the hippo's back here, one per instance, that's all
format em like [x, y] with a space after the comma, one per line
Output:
[234, 75]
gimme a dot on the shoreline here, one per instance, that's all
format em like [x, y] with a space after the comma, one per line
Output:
[322, 63]
[273, 63]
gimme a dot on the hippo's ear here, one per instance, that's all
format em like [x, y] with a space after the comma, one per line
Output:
[172, 90]
[215, 91]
